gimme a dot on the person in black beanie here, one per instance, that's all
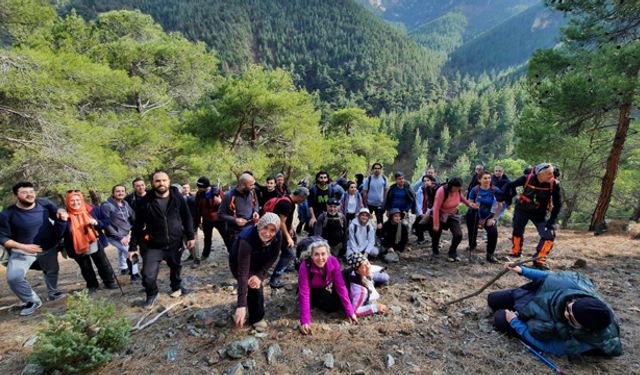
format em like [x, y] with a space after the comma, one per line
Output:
[558, 312]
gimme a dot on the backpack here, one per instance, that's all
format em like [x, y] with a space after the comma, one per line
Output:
[529, 196]
[340, 217]
[476, 190]
[271, 204]
[383, 179]
[355, 238]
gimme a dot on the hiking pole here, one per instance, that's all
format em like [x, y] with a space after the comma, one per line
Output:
[499, 275]
[545, 360]
[117, 281]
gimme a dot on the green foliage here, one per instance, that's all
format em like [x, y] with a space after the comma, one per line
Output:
[338, 48]
[83, 338]
[443, 34]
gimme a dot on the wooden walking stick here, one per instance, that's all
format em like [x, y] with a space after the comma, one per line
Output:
[485, 286]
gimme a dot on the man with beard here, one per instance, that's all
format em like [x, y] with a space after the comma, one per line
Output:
[239, 208]
[319, 195]
[26, 230]
[139, 191]
[162, 221]
[281, 186]
[121, 218]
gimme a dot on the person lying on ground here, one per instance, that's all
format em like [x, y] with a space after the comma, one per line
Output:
[558, 312]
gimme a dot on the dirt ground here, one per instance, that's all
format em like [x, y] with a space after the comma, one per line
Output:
[420, 335]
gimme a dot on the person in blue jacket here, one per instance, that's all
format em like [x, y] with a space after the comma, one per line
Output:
[485, 216]
[558, 312]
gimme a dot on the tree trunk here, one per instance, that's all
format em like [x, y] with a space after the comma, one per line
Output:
[237, 135]
[613, 160]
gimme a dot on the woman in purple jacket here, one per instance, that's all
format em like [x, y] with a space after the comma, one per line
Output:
[320, 284]
[351, 202]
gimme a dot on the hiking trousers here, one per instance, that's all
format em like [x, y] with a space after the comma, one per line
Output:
[151, 266]
[19, 264]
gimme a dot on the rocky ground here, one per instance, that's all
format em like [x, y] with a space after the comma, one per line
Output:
[418, 335]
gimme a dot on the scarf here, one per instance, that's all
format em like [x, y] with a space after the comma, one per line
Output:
[81, 233]
[398, 233]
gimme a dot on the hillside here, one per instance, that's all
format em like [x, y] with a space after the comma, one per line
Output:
[444, 34]
[337, 48]
[509, 44]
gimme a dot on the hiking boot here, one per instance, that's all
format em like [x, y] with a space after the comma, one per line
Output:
[518, 255]
[124, 272]
[92, 291]
[111, 286]
[178, 293]
[196, 263]
[276, 283]
[30, 308]
[454, 258]
[57, 295]
[541, 266]
[492, 259]
[135, 277]
[150, 301]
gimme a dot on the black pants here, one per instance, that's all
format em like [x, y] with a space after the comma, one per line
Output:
[230, 234]
[255, 305]
[102, 264]
[325, 300]
[499, 302]
[283, 262]
[378, 212]
[421, 228]
[472, 230]
[151, 265]
[520, 220]
[207, 229]
[452, 224]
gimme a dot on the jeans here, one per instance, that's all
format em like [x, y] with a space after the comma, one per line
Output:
[151, 265]
[123, 257]
[17, 268]
[283, 263]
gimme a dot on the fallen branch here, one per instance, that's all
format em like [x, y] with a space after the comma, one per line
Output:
[140, 326]
[8, 307]
[485, 286]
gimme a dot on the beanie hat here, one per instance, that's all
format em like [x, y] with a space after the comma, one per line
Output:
[355, 260]
[269, 218]
[203, 182]
[591, 313]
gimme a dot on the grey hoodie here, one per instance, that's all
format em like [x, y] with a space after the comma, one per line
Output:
[121, 218]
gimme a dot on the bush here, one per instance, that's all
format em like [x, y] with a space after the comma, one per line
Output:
[83, 338]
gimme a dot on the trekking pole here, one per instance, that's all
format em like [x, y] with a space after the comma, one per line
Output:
[545, 360]
[117, 281]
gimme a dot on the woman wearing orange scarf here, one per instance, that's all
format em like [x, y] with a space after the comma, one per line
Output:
[82, 244]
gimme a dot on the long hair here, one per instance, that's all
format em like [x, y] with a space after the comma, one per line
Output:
[454, 182]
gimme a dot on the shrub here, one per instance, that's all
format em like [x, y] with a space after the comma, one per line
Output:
[83, 338]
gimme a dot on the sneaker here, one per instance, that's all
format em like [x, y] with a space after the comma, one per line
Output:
[178, 293]
[124, 272]
[492, 259]
[276, 283]
[30, 308]
[56, 296]
[92, 291]
[196, 263]
[454, 259]
[519, 255]
[135, 277]
[111, 286]
[541, 266]
[420, 242]
[150, 301]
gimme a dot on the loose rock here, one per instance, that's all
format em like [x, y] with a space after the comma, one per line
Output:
[238, 369]
[418, 277]
[32, 369]
[273, 352]
[240, 348]
[390, 361]
[329, 362]
[391, 258]
[580, 263]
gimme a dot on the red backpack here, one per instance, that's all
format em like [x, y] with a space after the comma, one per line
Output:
[271, 204]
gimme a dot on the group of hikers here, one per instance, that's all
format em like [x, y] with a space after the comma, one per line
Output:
[558, 312]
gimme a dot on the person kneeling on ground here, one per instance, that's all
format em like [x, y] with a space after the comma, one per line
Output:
[320, 284]
[252, 254]
[361, 278]
[558, 312]
[362, 235]
[394, 235]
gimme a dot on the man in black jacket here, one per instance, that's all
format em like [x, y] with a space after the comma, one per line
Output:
[162, 220]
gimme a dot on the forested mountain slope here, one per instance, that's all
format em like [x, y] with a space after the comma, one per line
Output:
[337, 48]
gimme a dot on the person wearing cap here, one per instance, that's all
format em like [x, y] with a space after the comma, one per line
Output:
[284, 208]
[400, 196]
[332, 226]
[540, 194]
[361, 277]
[394, 234]
[252, 255]
[321, 285]
[558, 312]
[207, 202]
[303, 211]
[362, 235]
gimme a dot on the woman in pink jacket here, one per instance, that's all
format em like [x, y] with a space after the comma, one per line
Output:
[320, 284]
[445, 216]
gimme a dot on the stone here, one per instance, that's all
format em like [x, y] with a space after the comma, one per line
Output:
[418, 277]
[391, 257]
[238, 369]
[170, 333]
[396, 309]
[328, 360]
[212, 359]
[32, 369]
[307, 352]
[390, 361]
[580, 263]
[240, 348]
[359, 372]
[30, 341]
[249, 364]
[171, 356]
[261, 335]
[273, 352]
